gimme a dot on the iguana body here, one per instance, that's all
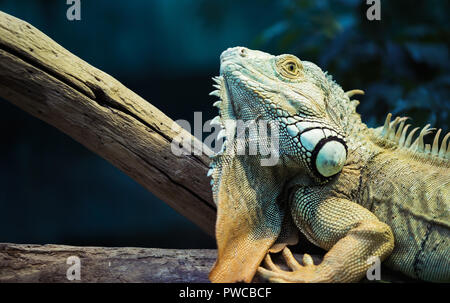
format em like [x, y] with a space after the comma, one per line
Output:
[357, 192]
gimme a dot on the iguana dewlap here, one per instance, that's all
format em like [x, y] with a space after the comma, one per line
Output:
[355, 191]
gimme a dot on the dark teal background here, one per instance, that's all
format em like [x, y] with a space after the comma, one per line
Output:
[53, 190]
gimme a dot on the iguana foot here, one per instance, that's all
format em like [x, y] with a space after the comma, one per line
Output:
[306, 273]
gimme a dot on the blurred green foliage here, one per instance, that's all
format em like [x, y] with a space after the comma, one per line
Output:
[401, 61]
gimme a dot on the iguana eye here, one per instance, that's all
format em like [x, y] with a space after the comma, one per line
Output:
[291, 69]
[289, 66]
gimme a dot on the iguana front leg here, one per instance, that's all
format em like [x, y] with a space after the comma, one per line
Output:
[350, 233]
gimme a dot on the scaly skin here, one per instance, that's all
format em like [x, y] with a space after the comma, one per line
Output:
[357, 192]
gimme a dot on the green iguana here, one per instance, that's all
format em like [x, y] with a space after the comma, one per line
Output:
[356, 192]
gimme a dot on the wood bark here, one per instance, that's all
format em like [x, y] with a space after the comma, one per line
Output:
[29, 263]
[47, 81]
[48, 263]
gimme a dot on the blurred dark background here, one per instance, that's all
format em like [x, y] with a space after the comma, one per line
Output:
[53, 190]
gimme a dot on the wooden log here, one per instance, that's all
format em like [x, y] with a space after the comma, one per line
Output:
[48, 263]
[47, 81]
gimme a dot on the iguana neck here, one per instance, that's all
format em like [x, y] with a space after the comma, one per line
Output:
[342, 110]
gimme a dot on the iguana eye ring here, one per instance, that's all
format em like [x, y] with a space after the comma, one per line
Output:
[289, 66]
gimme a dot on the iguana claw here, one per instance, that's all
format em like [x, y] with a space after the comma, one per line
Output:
[299, 274]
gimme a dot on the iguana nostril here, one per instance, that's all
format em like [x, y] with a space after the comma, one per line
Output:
[232, 52]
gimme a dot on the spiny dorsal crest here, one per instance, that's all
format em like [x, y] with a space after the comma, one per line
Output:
[216, 92]
[396, 131]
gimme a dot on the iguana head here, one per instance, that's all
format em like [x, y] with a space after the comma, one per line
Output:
[294, 95]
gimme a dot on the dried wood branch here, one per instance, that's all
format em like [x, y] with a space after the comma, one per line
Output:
[48, 263]
[47, 81]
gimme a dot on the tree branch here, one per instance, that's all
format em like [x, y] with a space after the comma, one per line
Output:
[48, 263]
[47, 81]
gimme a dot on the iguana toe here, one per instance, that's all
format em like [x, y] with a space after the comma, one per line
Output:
[306, 273]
